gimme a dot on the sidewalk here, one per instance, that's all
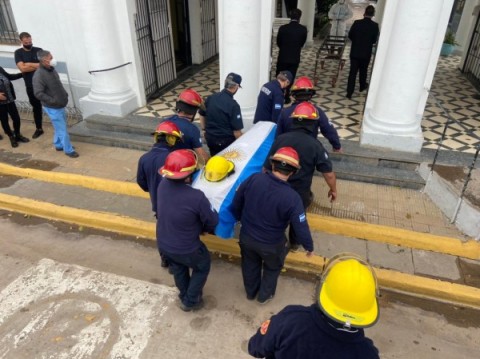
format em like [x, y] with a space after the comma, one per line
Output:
[397, 208]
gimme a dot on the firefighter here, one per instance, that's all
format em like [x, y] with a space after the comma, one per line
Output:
[303, 90]
[166, 138]
[187, 105]
[183, 213]
[265, 205]
[331, 328]
[312, 157]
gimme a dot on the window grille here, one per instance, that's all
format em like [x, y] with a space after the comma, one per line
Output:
[8, 28]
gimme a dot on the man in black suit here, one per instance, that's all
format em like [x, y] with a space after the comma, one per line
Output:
[290, 39]
[364, 34]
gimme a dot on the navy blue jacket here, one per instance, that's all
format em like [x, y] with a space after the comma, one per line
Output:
[148, 177]
[222, 115]
[313, 156]
[183, 213]
[266, 205]
[304, 333]
[364, 34]
[284, 125]
[270, 102]
[191, 133]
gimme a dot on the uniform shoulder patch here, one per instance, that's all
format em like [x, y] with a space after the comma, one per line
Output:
[302, 217]
[264, 327]
[278, 106]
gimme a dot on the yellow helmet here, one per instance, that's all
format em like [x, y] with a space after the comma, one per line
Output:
[217, 168]
[348, 291]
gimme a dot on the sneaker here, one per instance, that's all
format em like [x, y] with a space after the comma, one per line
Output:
[251, 297]
[20, 138]
[38, 132]
[265, 301]
[13, 141]
[187, 308]
[58, 149]
[72, 154]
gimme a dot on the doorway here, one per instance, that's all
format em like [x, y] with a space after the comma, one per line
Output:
[181, 34]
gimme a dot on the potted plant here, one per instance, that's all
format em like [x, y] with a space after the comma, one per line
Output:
[448, 43]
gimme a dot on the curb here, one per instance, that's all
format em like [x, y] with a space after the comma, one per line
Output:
[419, 286]
[345, 227]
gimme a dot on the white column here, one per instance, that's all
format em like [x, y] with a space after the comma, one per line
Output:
[111, 92]
[465, 28]
[245, 35]
[308, 18]
[379, 10]
[405, 63]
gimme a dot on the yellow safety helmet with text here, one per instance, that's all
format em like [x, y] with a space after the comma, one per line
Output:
[348, 292]
[218, 168]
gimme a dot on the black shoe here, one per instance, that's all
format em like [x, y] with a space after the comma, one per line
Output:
[349, 96]
[251, 297]
[1, 137]
[164, 263]
[363, 89]
[265, 301]
[72, 154]
[38, 132]
[20, 138]
[13, 141]
[186, 308]
[58, 149]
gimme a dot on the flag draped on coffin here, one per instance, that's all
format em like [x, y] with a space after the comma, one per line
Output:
[248, 154]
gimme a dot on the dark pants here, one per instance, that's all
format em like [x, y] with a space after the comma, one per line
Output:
[217, 144]
[287, 67]
[307, 198]
[37, 107]
[257, 256]
[10, 109]
[190, 285]
[357, 65]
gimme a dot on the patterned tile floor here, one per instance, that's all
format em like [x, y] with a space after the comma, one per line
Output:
[450, 90]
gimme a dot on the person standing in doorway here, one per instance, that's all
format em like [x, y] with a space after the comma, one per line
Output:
[27, 62]
[48, 88]
[339, 13]
[290, 39]
[363, 34]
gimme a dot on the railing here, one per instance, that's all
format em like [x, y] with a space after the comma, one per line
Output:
[470, 131]
[8, 28]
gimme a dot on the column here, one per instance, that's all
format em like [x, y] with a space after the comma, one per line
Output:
[406, 59]
[308, 18]
[245, 35]
[110, 93]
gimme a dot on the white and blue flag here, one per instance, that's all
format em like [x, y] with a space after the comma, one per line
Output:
[248, 153]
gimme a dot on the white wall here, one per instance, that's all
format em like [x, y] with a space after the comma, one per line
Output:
[57, 27]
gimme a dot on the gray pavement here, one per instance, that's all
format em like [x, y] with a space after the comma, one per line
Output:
[376, 204]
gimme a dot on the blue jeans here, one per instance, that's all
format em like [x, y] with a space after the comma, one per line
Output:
[61, 139]
[190, 286]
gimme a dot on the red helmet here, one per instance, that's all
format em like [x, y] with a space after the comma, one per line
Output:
[179, 164]
[305, 110]
[191, 97]
[287, 156]
[170, 130]
[302, 83]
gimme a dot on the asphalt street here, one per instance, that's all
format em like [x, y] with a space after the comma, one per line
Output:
[69, 292]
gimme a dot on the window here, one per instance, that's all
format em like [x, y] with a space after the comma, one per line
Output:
[8, 28]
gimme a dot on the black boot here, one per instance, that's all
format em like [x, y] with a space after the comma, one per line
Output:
[20, 138]
[13, 141]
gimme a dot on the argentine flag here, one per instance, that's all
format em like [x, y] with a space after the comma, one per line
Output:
[248, 154]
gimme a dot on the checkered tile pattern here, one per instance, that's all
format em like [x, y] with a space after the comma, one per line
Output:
[451, 95]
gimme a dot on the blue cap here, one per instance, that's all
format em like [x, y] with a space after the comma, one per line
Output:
[288, 75]
[235, 78]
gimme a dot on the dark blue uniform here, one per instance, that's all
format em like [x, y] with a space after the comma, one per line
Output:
[270, 102]
[223, 116]
[148, 177]
[284, 125]
[304, 332]
[313, 156]
[266, 205]
[191, 134]
[183, 213]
